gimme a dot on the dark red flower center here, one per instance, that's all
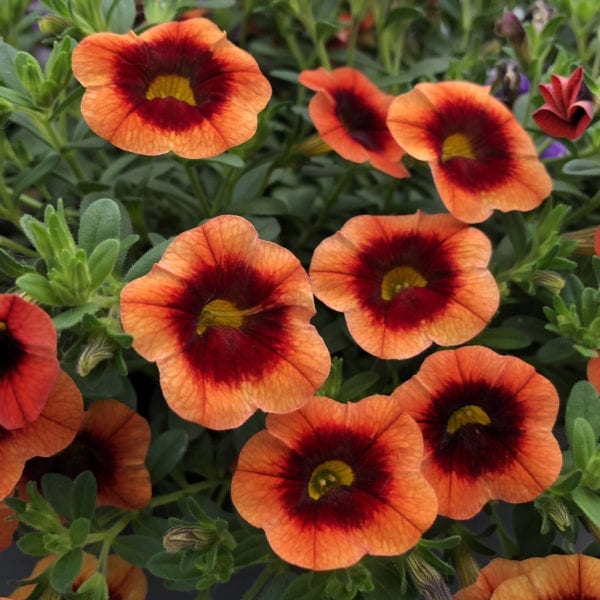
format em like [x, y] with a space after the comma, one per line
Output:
[172, 83]
[223, 328]
[472, 147]
[363, 123]
[473, 428]
[86, 453]
[404, 280]
[333, 476]
[11, 350]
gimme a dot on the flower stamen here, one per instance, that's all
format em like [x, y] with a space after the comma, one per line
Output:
[328, 475]
[457, 145]
[398, 279]
[171, 86]
[467, 415]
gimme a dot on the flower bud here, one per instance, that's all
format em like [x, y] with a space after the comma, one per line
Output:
[466, 566]
[550, 280]
[99, 348]
[192, 537]
[427, 580]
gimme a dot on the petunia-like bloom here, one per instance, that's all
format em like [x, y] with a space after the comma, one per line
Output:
[480, 156]
[549, 578]
[28, 362]
[404, 282]
[8, 525]
[568, 107]
[349, 112]
[332, 482]
[178, 86]
[226, 317]
[124, 581]
[112, 442]
[54, 429]
[487, 424]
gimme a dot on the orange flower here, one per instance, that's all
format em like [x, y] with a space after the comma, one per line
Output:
[480, 156]
[404, 282]
[226, 318]
[593, 372]
[332, 482]
[112, 443]
[179, 86]
[54, 429]
[124, 581]
[28, 363]
[8, 526]
[555, 576]
[349, 113]
[487, 424]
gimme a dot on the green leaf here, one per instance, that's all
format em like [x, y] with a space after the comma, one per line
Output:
[357, 386]
[120, 14]
[583, 402]
[100, 221]
[582, 167]
[527, 526]
[78, 531]
[304, 588]
[58, 490]
[83, 498]
[137, 549]
[146, 262]
[102, 261]
[165, 452]
[94, 588]
[503, 338]
[11, 267]
[568, 483]
[31, 176]
[16, 98]
[65, 569]
[583, 442]
[588, 502]
[73, 316]
[32, 544]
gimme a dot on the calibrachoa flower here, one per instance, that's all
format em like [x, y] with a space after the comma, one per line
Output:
[28, 362]
[480, 156]
[349, 113]
[124, 581]
[568, 107]
[178, 86]
[112, 443]
[226, 317]
[8, 525]
[487, 424]
[404, 282]
[332, 482]
[555, 576]
[54, 429]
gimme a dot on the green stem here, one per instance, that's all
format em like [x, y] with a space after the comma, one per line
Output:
[259, 582]
[109, 537]
[8, 243]
[198, 188]
[588, 207]
[509, 546]
[188, 491]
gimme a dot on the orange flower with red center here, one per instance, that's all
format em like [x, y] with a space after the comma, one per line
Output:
[178, 86]
[480, 156]
[404, 282]
[573, 576]
[124, 581]
[226, 317]
[112, 443]
[8, 525]
[54, 429]
[349, 113]
[332, 482]
[487, 424]
[28, 363]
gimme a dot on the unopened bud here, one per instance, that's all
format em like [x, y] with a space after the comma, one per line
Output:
[550, 280]
[555, 510]
[466, 566]
[100, 347]
[427, 580]
[53, 25]
[312, 146]
[188, 537]
[540, 14]
[584, 240]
